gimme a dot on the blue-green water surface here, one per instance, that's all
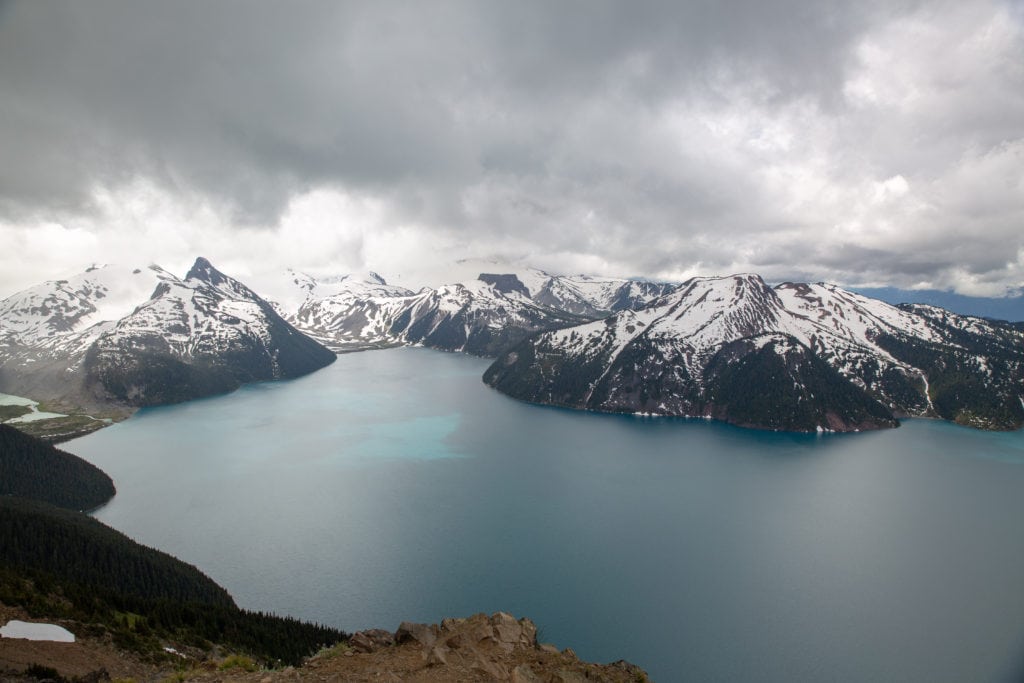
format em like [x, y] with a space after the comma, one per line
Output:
[393, 485]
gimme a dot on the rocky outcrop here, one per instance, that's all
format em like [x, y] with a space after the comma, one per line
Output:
[496, 647]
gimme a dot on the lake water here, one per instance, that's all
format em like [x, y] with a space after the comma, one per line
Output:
[393, 485]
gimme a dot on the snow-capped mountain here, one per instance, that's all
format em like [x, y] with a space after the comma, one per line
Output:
[203, 335]
[474, 317]
[61, 307]
[481, 315]
[797, 356]
[116, 337]
[593, 296]
[289, 290]
[46, 330]
[583, 295]
[135, 336]
[352, 312]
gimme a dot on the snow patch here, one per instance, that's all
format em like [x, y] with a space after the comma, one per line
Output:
[36, 631]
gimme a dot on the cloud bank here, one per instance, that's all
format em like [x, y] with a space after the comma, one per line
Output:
[865, 143]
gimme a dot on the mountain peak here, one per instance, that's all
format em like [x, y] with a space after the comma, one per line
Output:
[203, 270]
[505, 283]
[365, 276]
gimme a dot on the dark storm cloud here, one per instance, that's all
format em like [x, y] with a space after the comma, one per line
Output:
[653, 136]
[250, 100]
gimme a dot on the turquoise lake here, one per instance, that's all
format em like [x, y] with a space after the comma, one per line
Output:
[394, 485]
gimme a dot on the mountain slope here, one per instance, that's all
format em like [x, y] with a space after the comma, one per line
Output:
[797, 357]
[473, 317]
[195, 337]
[352, 312]
[61, 307]
[39, 537]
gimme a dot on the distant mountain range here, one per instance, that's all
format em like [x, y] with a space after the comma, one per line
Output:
[482, 315]
[796, 356]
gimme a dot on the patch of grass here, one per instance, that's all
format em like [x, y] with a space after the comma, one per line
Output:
[129, 619]
[238, 662]
[333, 651]
[11, 412]
[58, 429]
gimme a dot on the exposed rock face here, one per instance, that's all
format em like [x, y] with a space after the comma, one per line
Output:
[498, 647]
[505, 283]
[796, 357]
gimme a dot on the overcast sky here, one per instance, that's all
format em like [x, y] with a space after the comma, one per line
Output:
[862, 142]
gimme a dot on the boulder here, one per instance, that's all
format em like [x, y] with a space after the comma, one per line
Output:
[450, 624]
[457, 642]
[529, 633]
[421, 633]
[634, 670]
[481, 632]
[371, 640]
[507, 631]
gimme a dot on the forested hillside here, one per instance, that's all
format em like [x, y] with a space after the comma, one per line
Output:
[62, 564]
[32, 468]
